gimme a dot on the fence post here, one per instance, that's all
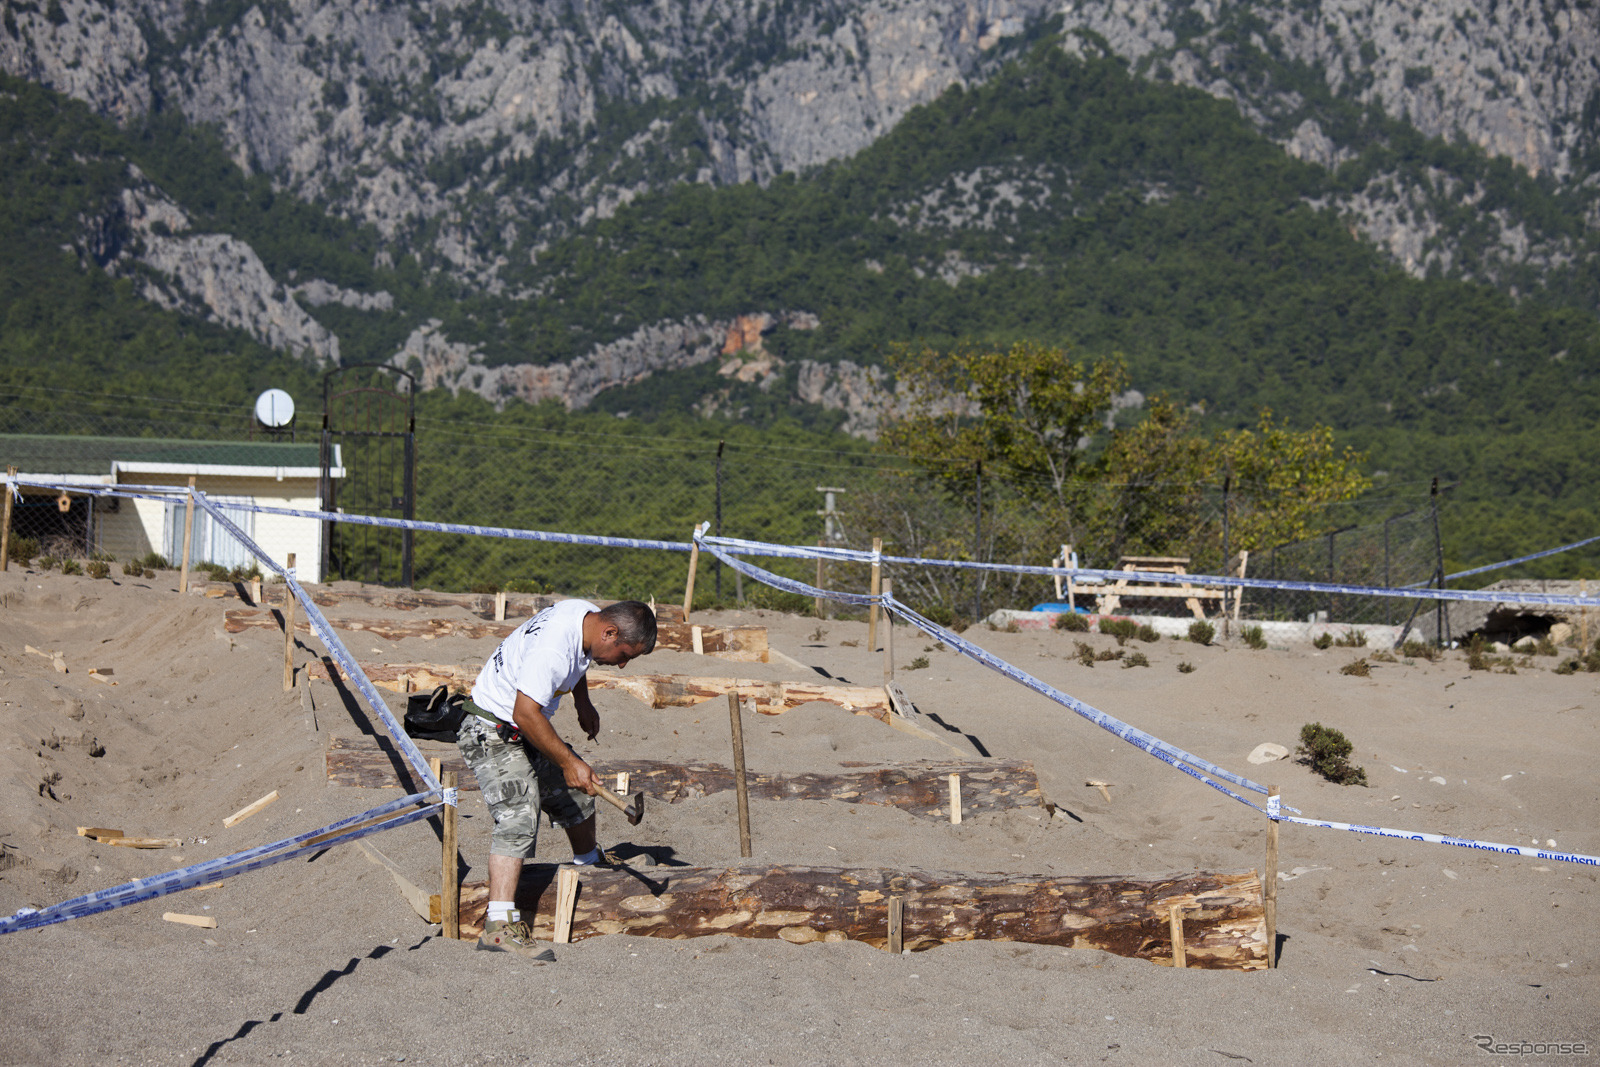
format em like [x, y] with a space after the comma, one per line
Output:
[877, 587]
[1388, 580]
[188, 534]
[1442, 627]
[1331, 534]
[717, 567]
[5, 529]
[977, 545]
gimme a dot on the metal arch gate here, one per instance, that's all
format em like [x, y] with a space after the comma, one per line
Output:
[369, 421]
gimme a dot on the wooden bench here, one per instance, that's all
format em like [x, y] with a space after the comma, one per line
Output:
[1109, 596]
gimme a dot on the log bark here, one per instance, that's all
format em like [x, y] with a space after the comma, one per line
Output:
[656, 690]
[745, 644]
[518, 605]
[915, 787]
[1223, 925]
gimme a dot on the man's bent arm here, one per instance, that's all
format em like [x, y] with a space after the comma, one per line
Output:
[542, 736]
[588, 714]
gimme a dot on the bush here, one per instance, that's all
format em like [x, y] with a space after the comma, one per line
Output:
[1085, 653]
[1201, 632]
[1322, 641]
[1360, 668]
[1327, 751]
[133, 568]
[1136, 659]
[1414, 649]
[1477, 654]
[1148, 634]
[155, 561]
[917, 664]
[99, 569]
[48, 562]
[22, 549]
[1107, 655]
[1185, 668]
[1383, 655]
[1121, 629]
[71, 566]
[1353, 639]
[1544, 646]
[1254, 637]
[940, 615]
[1069, 620]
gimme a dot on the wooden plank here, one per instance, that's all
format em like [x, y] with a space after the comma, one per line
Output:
[250, 809]
[1175, 931]
[920, 788]
[145, 842]
[420, 902]
[566, 904]
[99, 833]
[205, 922]
[518, 606]
[1127, 916]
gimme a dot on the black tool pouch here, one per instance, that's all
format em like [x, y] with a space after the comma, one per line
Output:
[435, 716]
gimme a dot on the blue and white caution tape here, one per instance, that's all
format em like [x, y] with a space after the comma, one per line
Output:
[384, 817]
[1446, 839]
[1521, 559]
[335, 647]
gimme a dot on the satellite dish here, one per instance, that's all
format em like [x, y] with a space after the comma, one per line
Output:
[274, 408]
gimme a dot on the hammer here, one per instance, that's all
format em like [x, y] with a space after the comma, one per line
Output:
[633, 807]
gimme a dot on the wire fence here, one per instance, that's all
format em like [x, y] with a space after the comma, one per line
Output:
[647, 486]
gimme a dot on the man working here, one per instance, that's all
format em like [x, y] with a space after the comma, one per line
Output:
[521, 763]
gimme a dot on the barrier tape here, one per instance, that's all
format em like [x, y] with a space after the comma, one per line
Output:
[1522, 559]
[1445, 839]
[140, 890]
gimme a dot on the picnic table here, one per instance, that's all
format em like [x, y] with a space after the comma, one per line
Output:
[1109, 595]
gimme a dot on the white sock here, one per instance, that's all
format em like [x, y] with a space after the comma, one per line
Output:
[500, 911]
[587, 858]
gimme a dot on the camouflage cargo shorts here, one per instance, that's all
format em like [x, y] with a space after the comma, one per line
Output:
[517, 783]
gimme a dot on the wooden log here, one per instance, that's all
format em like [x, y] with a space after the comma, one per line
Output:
[744, 644]
[918, 788]
[1123, 915]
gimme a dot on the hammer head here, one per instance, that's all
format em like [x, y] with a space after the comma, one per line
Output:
[635, 809]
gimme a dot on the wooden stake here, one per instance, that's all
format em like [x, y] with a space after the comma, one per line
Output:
[623, 777]
[697, 639]
[188, 536]
[1175, 921]
[500, 606]
[897, 915]
[820, 614]
[1064, 558]
[688, 589]
[955, 799]
[877, 587]
[288, 631]
[1066, 561]
[740, 784]
[255, 592]
[1269, 884]
[566, 902]
[1583, 612]
[888, 636]
[250, 809]
[5, 528]
[450, 882]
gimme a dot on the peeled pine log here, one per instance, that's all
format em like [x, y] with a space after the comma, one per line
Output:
[518, 605]
[918, 788]
[746, 644]
[1223, 927]
[771, 698]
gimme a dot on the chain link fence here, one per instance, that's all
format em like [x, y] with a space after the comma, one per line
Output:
[640, 485]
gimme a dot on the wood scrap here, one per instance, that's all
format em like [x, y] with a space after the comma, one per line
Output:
[250, 809]
[517, 605]
[425, 905]
[205, 922]
[919, 788]
[769, 698]
[1222, 912]
[99, 833]
[145, 842]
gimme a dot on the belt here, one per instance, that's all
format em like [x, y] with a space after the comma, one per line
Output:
[480, 713]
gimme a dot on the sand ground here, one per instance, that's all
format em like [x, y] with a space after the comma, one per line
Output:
[1391, 951]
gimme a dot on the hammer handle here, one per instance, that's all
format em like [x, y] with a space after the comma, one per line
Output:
[609, 796]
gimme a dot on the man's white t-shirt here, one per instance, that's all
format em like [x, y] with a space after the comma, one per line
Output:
[542, 658]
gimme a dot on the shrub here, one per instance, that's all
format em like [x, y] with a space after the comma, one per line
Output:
[1148, 634]
[1544, 646]
[133, 568]
[1106, 655]
[1383, 655]
[1322, 641]
[1414, 649]
[1327, 751]
[99, 569]
[1360, 668]
[241, 573]
[940, 615]
[1201, 632]
[155, 561]
[1121, 629]
[1567, 666]
[1135, 659]
[1069, 620]
[1477, 654]
[1185, 668]
[1353, 639]
[71, 566]
[48, 562]
[1254, 637]
[22, 549]
[917, 664]
[1085, 653]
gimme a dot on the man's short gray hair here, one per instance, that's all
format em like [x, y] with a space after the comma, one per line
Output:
[635, 623]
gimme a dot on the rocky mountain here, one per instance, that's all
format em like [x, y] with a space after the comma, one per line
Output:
[474, 136]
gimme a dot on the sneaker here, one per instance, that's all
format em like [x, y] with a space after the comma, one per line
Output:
[600, 860]
[515, 937]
